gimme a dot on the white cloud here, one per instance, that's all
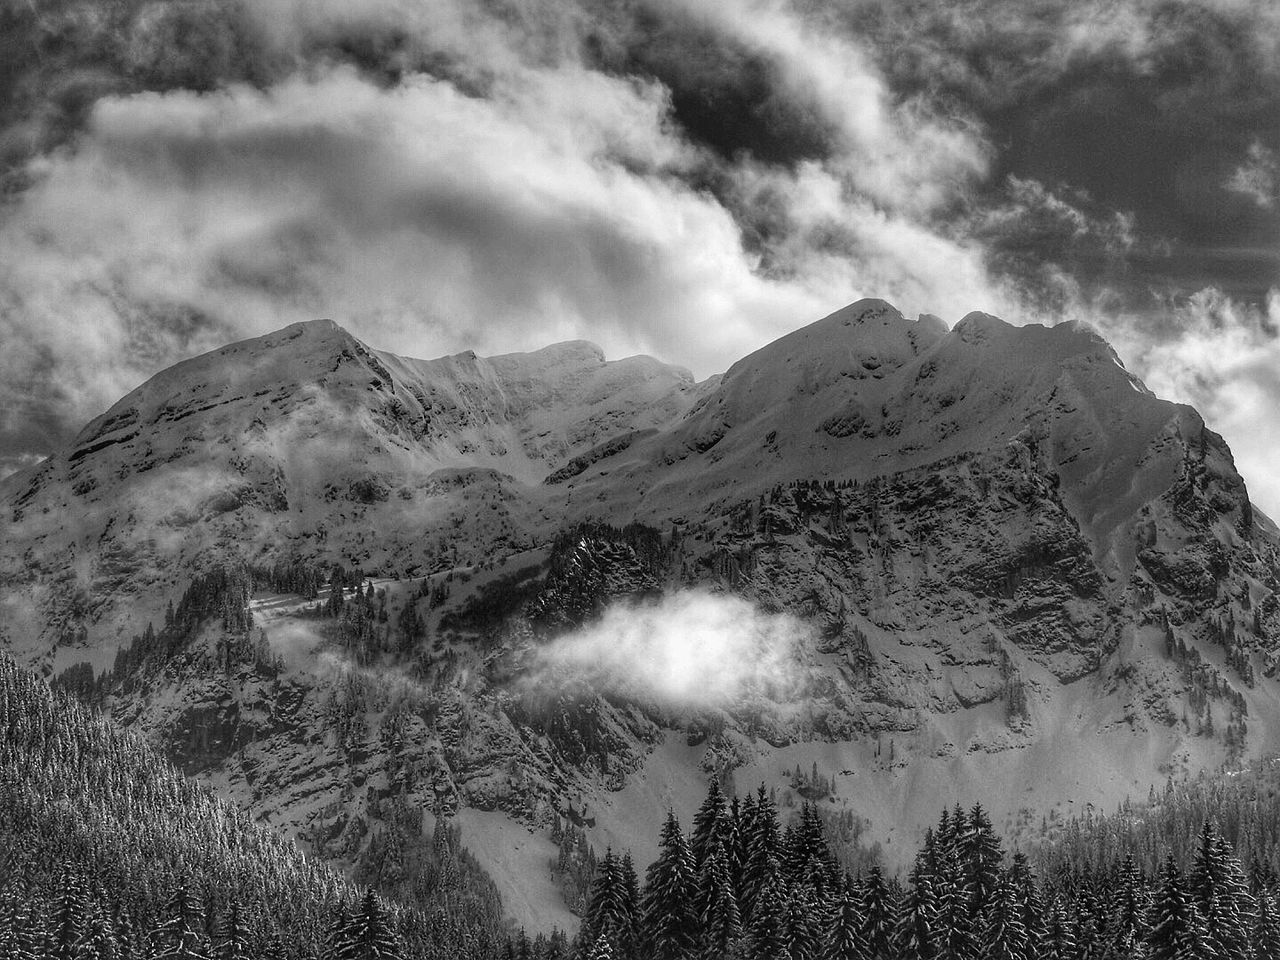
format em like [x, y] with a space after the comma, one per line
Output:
[550, 202]
[688, 649]
[1224, 359]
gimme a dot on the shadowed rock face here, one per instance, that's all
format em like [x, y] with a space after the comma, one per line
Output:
[1006, 547]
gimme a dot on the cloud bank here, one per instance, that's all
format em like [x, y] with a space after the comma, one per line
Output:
[670, 177]
[689, 649]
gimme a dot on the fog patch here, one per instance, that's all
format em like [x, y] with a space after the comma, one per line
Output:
[691, 648]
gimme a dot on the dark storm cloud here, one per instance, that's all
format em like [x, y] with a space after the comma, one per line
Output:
[1151, 107]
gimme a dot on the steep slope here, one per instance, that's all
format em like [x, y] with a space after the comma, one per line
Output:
[107, 849]
[1028, 580]
[306, 442]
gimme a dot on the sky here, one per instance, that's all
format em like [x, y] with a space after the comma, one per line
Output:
[684, 178]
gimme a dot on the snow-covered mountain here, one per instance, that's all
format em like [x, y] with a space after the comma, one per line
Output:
[1028, 580]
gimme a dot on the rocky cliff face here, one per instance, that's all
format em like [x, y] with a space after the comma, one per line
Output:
[1026, 578]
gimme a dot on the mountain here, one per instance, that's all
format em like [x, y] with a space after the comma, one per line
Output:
[1020, 578]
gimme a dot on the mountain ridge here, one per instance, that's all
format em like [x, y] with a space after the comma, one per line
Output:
[1016, 566]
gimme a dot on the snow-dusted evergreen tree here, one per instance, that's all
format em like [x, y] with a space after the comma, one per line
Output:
[879, 913]
[629, 947]
[1130, 910]
[1004, 936]
[607, 915]
[601, 950]
[844, 938]
[959, 931]
[768, 936]
[668, 901]
[1059, 941]
[981, 857]
[762, 849]
[718, 915]
[802, 919]
[1221, 894]
[1266, 928]
[180, 935]
[710, 825]
[917, 935]
[369, 934]
[233, 935]
[1176, 929]
[67, 919]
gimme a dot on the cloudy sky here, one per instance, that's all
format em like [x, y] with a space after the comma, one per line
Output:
[685, 178]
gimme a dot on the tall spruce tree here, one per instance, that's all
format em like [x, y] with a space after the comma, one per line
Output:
[710, 824]
[917, 935]
[1130, 909]
[370, 934]
[607, 914]
[879, 912]
[1176, 930]
[180, 935]
[1004, 935]
[1221, 894]
[844, 938]
[1266, 928]
[720, 922]
[668, 903]
[768, 937]
[981, 857]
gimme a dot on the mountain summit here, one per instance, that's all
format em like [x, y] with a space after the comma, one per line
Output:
[1018, 572]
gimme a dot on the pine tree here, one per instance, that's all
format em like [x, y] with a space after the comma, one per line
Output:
[762, 851]
[1004, 937]
[879, 913]
[844, 939]
[607, 915]
[709, 824]
[668, 903]
[917, 935]
[98, 939]
[807, 857]
[1059, 941]
[1129, 911]
[720, 922]
[601, 950]
[371, 935]
[1266, 929]
[981, 857]
[1176, 931]
[959, 936]
[1221, 894]
[180, 935]
[233, 938]
[68, 919]
[767, 940]
[802, 925]
[629, 947]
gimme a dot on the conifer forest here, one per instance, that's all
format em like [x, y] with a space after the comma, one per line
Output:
[109, 854]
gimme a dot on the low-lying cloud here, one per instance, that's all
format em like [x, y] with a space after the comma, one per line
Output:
[691, 648]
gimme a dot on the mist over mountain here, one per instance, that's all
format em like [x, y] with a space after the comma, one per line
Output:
[881, 563]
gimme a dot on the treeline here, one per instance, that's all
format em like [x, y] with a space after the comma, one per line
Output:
[1245, 805]
[221, 595]
[739, 886]
[106, 852]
